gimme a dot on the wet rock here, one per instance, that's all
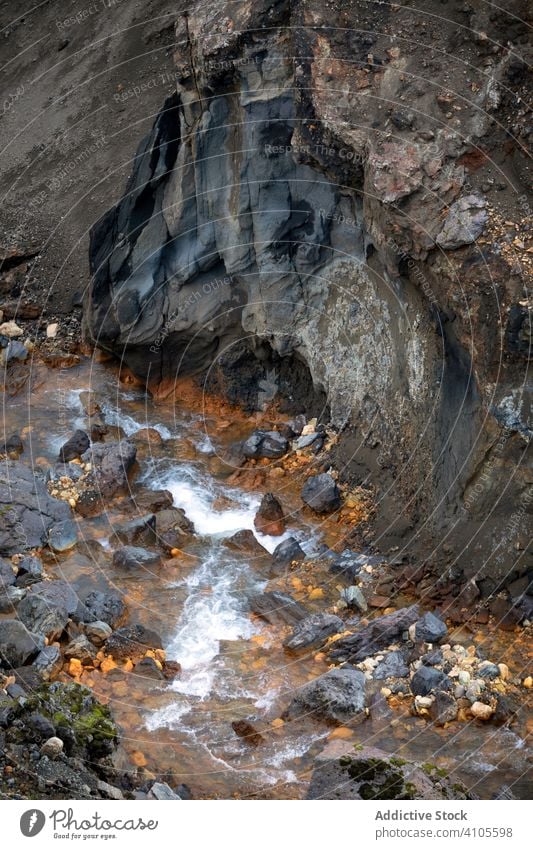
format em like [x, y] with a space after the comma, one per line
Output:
[7, 574]
[377, 635]
[98, 632]
[426, 679]
[110, 464]
[151, 500]
[337, 696]
[27, 511]
[345, 772]
[89, 402]
[132, 557]
[141, 530]
[63, 536]
[430, 629]
[132, 641]
[103, 607]
[148, 435]
[11, 598]
[443, 708]
[246, 542]
[162, 792]
[393, 666]
[13, 446]
[17, 643]
[173, 527]
[277, 608]
[506, 709]
[247, 732]
[270, 444]
[313, 631]
[48, 662]
[464, 223]
[321, 493]
[148, 668]
[74, 447]
[269, 518]
[81, 649]
[287, 552]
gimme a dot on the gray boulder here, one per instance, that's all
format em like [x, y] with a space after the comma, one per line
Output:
[10, 598]
[321, 493]
[464, 223]
[27, 511]
[426, 679]
[111, 462]
[286, 553]
[17, 643]
[103, 607]
[48, 662]
[74, 447]
[377, 635]
[43, 617]
[278, 608]
[132, 557]
[343, 771]
[337, 696]
[393, 666]
[141, 529]
[313, 631]
[269, 444]
[430, 629]
[132, 641]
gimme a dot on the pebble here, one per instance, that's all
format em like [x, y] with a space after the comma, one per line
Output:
[51, 331]
[463, 677]
[52, 747]
[528, 682]
[481, 710]
[504, 671]
[10, 329]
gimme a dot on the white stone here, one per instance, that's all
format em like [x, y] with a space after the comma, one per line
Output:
[481, 711]
[10, 329]
[52, 747]
[51, 331]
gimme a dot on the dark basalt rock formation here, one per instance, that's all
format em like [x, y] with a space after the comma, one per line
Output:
[290, 235]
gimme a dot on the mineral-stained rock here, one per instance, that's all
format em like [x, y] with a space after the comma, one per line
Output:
[132, 641]
[269, 518]
[321, 493]
[377, 635]
[313, 631]
[173, 528]
[345, 771]
[246, 542]
[337, 696]
[276, 608]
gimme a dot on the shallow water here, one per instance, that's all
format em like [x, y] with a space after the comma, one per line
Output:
[233, 665]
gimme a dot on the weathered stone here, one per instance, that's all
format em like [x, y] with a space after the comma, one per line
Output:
[276, 608]
[443, 708]
[313, 631]
[132, 641]
[269, 444]
[148, 668]
[343, 771]
[48, 662]
[105, 607]
[269, 518]
[430, 628]
[42, 615]
[98, 632]
[17, 643]
[464, 223]
[81, 649]
[63, 536]
[132, 557]
[426, 679]
[337, 696]
[354, 597]
[11, 598]
[286, 553]
[246, 542]
[141, 529]
[52, 748]
[321, 493]
[110, 464]
[162, 792]
[377, 635]
[74, 447]
[393, 666]
[7, 574]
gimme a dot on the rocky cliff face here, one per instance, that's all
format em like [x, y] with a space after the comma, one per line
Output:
[329, 213]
